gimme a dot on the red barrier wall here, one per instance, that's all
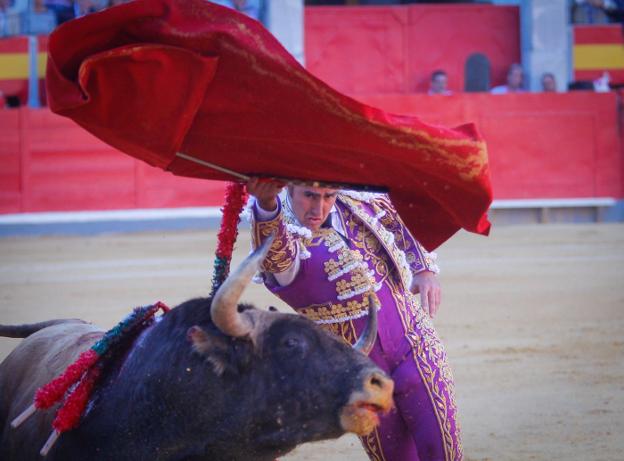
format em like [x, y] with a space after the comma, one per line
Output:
[51, 164]
[540, 145]
[360, 50]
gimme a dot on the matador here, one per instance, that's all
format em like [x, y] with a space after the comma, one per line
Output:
[332, 248]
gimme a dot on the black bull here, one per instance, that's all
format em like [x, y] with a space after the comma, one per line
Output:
[213, 380]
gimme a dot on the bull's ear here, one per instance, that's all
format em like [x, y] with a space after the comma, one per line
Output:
[213, 348]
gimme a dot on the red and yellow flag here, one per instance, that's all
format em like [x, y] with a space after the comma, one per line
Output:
[599, 49]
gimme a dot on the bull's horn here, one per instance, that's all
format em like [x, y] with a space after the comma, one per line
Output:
[224, 310]
[365, 343]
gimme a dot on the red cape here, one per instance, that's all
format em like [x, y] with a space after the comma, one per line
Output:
[157, 77]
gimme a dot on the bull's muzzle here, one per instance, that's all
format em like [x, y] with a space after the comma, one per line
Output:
[361, 413]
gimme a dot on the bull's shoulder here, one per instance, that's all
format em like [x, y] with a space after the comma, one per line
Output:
[35, 361]
[43, 355]
[59, 345]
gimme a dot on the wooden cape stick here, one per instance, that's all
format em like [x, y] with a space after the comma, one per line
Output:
[303, 182]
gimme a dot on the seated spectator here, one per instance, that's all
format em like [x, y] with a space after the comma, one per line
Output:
[597, 11]
[84, 7]
[549, 84]
[438, 83]
[515, 79]
[252, 8]
[613, 8]
[601, 84]
[11, 12]
[62, 9]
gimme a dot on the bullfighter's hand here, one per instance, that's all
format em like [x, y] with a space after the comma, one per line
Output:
[265, 191]
[426, 283]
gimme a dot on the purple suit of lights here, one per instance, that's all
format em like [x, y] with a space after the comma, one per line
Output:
[377, 254]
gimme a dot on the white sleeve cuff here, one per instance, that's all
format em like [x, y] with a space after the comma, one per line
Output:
[264, 215]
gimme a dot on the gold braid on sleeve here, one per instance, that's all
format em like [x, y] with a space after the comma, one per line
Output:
[283, 251]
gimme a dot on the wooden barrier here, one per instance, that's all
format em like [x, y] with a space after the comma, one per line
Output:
[541, 146]
[558, 146]
[52, 164]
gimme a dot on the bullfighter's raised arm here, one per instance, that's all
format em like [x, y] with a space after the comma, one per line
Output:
[282, 261]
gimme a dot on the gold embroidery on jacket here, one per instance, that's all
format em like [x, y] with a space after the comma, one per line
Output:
[343, 330]
[359, 282]
[385, 238]
[346, 261]
[282, 252]
[335, 313]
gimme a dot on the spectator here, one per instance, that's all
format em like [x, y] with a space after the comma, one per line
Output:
[11, 12]
[613, 8]
[438, 83]
[597, 11]
[601, 84]
[84, 7]
[515, 79]
[549, 84]
[252, 8]
[63, 10]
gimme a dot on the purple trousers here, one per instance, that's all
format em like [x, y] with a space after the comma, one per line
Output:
[422, 426]
[411, 431]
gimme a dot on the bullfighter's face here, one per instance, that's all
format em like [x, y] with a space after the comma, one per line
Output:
[312, 205]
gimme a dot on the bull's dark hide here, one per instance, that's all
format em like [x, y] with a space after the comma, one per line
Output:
[177, 397]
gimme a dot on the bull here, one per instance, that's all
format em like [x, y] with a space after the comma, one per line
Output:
[212, 380]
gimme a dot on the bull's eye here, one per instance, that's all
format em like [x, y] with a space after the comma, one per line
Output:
[293, 345]
[291, 342]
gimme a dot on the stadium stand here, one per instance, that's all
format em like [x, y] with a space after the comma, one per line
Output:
[553, 156]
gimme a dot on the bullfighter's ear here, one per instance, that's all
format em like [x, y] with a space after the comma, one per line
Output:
[212, 348]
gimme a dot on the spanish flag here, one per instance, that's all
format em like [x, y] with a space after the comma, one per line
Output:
[15, 64]
[599, 49]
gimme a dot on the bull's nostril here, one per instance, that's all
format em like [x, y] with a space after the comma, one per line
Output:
[377, 381]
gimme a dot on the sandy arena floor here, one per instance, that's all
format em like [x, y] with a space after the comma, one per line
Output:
[532, 317]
